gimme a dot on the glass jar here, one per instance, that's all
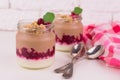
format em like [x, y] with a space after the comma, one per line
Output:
[68, 33]
[34, 49]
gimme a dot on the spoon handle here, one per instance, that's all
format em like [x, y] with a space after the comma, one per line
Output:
[68, 72]
[62, 68]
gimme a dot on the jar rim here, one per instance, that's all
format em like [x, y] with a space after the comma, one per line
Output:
[23, 22]
[59, 19]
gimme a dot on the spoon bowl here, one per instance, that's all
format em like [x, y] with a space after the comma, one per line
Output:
[95, 52]
[78, 50]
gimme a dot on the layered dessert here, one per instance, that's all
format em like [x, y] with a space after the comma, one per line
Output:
[68, 30]
[35, 43]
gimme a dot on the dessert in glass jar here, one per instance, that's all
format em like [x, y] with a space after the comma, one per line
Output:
[68, 30]
[35, 43]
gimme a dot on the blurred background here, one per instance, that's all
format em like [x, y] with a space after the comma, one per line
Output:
[95, 11]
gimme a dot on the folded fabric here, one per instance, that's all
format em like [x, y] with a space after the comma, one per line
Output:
[108, 35]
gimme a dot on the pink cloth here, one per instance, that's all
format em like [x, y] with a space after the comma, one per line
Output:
[108, 35]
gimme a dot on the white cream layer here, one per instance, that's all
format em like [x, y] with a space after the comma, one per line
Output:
[35, 64]
[63, 47]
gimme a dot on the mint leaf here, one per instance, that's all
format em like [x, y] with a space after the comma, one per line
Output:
[78, 10]
[49, 17]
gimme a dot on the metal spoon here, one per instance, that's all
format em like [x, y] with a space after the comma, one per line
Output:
[92, 53]
[95, 52]
[77, 51]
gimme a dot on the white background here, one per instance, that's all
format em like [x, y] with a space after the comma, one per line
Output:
[95, 11]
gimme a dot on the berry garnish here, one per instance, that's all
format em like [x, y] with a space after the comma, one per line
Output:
[40, 21]
[48, 17]
[74, 15]
[77, 10]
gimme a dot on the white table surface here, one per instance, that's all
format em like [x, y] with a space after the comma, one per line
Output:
[83, 70]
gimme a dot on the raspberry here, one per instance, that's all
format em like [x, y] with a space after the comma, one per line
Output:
[40, 21]
[74, 15]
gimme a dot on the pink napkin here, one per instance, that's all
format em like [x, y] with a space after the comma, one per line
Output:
[108, 35]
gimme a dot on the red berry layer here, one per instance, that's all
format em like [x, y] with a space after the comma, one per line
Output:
[33, 54]
[67, 39]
